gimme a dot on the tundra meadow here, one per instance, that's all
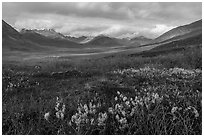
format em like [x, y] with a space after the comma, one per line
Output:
[129, 95]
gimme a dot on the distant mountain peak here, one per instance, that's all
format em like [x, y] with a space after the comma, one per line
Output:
[51, 33]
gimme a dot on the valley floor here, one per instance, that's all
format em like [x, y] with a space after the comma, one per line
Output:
[108, 95]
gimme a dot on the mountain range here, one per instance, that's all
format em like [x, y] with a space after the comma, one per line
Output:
[49, 39]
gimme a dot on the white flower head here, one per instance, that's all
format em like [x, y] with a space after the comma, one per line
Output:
[79, 109]
[132, 112]
[58, 102]
[124, 98]
[92, 121]
[90, 105]
[86, 108]
[123, 113]
[133, 103]
[110, 110]
[127, 103]
[46, 116]
[63, 108]
[92, 111]
[60, 115]
[196, 113]
[117, 117]
[174, 109]
[98, 105]
[101, 118]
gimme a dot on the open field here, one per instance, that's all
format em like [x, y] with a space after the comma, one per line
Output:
[114, 94]
[70, 52]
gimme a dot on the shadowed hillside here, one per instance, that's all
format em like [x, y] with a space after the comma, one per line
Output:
[12, 40]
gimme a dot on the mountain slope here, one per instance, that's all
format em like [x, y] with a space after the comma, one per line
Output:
[8, 31]
[12, 40]
[190, 41]
[193, 28]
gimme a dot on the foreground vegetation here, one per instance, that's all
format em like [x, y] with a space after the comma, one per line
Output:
[112, 95]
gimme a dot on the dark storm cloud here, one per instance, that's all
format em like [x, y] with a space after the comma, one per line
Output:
[147, 18]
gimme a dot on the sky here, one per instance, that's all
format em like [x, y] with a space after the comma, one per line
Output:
[117, 19]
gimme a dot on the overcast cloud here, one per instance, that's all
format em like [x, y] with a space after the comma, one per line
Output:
[114, 19]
